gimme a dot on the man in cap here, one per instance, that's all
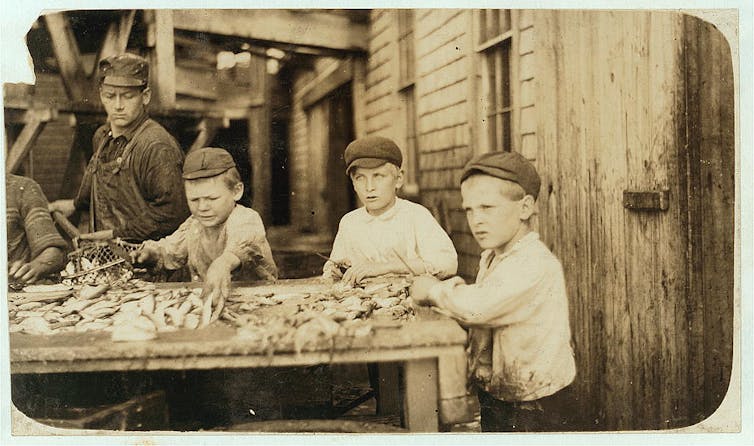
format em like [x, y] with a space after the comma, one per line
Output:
[521, 358]
[132, 186]
[388, 235]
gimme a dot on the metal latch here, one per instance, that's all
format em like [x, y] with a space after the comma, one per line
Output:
[646, 200]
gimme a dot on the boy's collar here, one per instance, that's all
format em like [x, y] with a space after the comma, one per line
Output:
[129, 132]
[527, 239]
[387, 215]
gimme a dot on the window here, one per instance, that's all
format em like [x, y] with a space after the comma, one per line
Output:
[407, 99]
[494, 45]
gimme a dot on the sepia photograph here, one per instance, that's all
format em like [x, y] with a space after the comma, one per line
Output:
[369, 222]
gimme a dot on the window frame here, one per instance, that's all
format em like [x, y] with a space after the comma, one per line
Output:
[484, 48]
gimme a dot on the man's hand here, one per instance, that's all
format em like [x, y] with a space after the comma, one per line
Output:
[65, 207]
[419, 291]
[28, 272]
[145, 255]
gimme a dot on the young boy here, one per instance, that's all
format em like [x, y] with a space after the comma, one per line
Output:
[35, 248]
[221, 236]
[388, 234]
[521, 358]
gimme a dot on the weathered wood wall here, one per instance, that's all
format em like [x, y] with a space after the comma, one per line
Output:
[612, 117]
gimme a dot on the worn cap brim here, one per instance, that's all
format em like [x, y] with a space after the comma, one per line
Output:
[122, 81]
[369, 163]
[204, 173]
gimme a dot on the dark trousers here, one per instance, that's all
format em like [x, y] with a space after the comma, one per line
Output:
[548, 414]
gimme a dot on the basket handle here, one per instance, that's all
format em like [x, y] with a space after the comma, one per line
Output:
[105, 234]
[65, 224]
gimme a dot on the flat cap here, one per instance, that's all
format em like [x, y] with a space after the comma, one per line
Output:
[124, 70]
[510, 166]
[370, 152]
[207, 162]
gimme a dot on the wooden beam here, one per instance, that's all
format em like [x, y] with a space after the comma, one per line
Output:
[195, 82]
[340, 74]
[308, 28]
[358, 95]
[116, 38]
[162, 59]
[35, 122]
[207, 130]
[259, 143]
[68, 56]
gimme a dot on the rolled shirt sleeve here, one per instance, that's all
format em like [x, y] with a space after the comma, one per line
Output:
[40, 229]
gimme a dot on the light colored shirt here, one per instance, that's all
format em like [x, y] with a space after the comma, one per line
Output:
[517, 311]
[407, 228]
[243, 235]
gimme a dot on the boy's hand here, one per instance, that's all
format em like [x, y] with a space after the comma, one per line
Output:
[217, 281]
[359, 272]
[419, 291]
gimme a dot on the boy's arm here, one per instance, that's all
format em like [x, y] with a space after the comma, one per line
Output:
[500, 301]
[170, 252]
[437, 255]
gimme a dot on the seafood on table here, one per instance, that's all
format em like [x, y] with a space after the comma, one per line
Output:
[136, 310]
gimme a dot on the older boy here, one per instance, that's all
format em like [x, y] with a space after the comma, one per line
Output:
[35, 248]
[517, 311]
[221, 237]
[388, 234]
[132, 185]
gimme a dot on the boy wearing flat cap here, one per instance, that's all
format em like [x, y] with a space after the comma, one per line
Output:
[221, 237]
[517, 311]
[132, 185]
[388, 235]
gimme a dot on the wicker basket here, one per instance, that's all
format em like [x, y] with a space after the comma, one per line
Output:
[96, 261]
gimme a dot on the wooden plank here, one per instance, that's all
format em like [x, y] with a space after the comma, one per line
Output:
[196, 83]
[298, 27]
[162, 73]
[68, 57]
[420, 404]
[340, 75]
[208, 128]
[711, 143]
[25, 141]
[259, 141]
[116, 37]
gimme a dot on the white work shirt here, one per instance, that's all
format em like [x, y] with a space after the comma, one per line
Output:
[408, 228]
[517, 311]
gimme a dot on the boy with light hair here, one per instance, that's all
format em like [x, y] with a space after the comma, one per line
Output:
[520, 350]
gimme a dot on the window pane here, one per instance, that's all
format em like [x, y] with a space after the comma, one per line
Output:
[493, 24]
[492, 132]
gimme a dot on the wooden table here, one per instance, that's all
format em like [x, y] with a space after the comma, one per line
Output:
[430, 348]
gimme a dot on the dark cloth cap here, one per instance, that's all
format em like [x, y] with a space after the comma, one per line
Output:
[124, 70]
[207, 162]
[510, 166]
[370, 152]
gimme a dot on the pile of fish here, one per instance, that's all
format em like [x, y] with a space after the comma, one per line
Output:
[307, 319]
[137, 310]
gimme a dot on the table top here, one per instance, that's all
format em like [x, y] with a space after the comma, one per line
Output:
[220, 345]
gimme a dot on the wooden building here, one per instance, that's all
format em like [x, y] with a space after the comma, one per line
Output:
[628, 115]
[629, 119]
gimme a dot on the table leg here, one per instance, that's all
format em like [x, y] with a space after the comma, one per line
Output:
[385, 378]
[420, 398]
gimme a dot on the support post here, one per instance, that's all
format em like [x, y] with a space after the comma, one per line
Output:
[68, 56]
[160, 37]
[420, 400]
[259, 140]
